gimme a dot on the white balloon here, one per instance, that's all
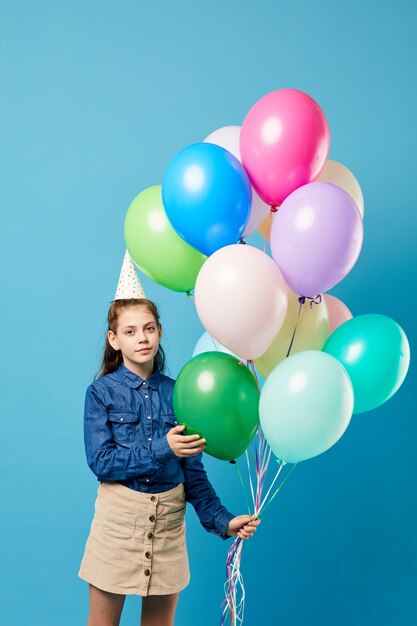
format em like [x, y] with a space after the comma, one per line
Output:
[228, 138]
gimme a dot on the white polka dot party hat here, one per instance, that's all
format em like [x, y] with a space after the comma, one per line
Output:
[129, 284]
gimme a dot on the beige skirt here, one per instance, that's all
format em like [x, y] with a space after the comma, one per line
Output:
[137, 542]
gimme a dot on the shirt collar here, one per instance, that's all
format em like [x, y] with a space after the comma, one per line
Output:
[135, 381]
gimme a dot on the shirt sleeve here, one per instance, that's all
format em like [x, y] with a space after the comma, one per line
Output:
[110, 462]
[199, 492]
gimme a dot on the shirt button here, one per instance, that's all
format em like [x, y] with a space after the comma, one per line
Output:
[175, 422]
[149, 417]
[152, 518]
[147, 572]
[146, 396]
[153, 498]
[144, 384]
[149, 535]
[121, 419]
[149, 438]
[147, 480]
[148, 555]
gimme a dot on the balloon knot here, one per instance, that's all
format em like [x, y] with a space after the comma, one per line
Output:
[189, 294]
[302, 299]
[274, 208]
[233, 462]
[241, 240]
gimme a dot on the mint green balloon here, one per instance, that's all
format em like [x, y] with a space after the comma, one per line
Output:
[306, 405]
[376, 354]
[155, 246]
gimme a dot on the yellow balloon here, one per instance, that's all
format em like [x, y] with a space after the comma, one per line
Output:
[338, 174]
[312, 332]
[265, 226]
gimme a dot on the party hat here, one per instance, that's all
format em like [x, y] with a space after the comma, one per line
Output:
[129, 284]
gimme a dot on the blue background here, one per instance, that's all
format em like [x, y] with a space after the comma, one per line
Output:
[97, 97]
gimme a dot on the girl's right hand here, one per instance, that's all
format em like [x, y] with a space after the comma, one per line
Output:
[184, 445]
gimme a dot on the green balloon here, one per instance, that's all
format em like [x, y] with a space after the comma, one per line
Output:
[155, 246]
[376, 354]
[218, 399]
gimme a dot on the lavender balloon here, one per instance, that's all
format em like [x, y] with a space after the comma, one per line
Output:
[316, 237]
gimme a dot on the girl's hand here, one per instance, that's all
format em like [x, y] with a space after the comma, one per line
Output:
[242, 526]
[184, 445]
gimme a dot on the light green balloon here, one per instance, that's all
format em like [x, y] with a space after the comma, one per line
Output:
[155, 246]
[376, 354]
[306, 405]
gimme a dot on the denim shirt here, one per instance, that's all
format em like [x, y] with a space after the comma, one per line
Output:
[126, 421]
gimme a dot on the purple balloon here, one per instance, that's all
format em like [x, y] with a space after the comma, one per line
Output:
[316, 237]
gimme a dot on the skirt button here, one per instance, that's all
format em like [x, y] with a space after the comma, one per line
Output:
[150, 535]
[148, 555]
[152, 518]
[147, 572]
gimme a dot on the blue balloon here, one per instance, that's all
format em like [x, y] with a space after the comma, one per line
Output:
[207, 343]
[207, 197]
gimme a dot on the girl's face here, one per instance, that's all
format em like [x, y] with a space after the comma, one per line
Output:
[137, 337]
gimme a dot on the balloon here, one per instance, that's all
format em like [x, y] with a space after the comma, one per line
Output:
[207, 343]
[265, 227]
[338, 312]
[306, 405]
[241, 299]
[154, 245]
[207, 196]
[218, 399]
[316, 237]
[338, 174]
[228, 138]
[311, 333]
[284, 143]
[376, 354]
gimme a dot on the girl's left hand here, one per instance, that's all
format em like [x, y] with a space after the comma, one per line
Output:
[242, 526]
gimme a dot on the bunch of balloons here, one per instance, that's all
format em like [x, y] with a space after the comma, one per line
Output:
[272, 173]
[320, 364]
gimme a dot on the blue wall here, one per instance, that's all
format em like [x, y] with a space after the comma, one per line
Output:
[96, 98]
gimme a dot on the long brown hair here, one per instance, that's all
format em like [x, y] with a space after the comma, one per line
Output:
[113, 358]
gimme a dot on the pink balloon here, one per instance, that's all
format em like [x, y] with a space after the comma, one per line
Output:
[284, 143]
[241, 299]
[338, 312]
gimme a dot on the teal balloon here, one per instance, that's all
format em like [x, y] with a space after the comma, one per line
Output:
[306, 405]
[376, 354]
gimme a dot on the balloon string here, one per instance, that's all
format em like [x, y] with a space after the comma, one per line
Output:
[250, 477]
[233, 584]
[301, 301]
[316, 300]
[242, 483]
[282, 463]
[214, 343]
[278, 488]
[274, 209]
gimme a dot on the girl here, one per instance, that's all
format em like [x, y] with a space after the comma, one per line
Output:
[148, 469]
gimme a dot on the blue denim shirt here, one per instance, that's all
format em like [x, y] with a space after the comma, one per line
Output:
[126, 421]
